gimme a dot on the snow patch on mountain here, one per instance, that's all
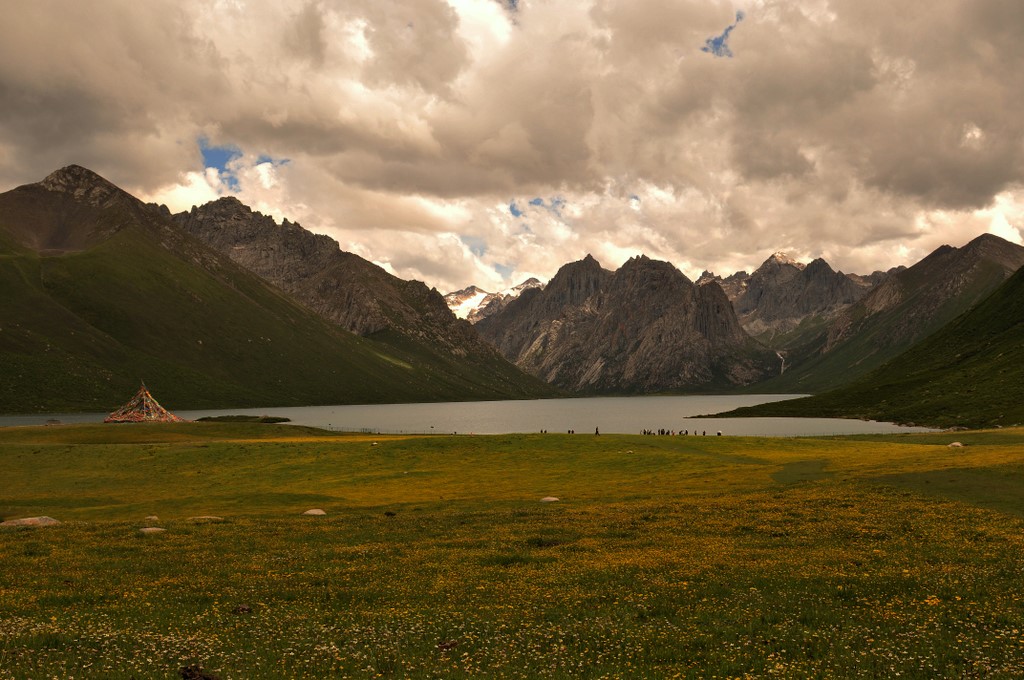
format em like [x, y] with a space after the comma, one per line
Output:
[473, 303]
[465, 302]
[782, 258]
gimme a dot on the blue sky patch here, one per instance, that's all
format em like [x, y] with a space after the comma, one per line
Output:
[553, 205]
[504, 269]
[719, 45]
[218, 157]
[514, 209]
[264, 158]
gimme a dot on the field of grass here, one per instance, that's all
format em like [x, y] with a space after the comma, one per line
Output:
[883, 556]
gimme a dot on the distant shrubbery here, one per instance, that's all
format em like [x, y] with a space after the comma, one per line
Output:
[244, 419]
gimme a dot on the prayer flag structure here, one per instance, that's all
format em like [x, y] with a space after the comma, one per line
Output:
[142, 408]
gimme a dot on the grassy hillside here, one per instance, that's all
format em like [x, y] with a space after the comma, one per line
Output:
[664, 557]
[970, 373]
[80, 328]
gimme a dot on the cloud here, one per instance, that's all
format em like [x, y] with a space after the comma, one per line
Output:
[419, 131]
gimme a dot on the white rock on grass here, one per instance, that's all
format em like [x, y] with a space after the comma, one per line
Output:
[30, 522]
[152, 518]
[549, 499]
[314, 511]
[956, 445]
[151, 530]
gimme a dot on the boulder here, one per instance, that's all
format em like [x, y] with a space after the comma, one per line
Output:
[549, 499]
[151, 530]
[955, 445]
[314, 511]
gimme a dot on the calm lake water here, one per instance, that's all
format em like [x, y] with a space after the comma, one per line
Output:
[629, 415]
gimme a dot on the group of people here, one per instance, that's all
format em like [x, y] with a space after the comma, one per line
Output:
[673, 433]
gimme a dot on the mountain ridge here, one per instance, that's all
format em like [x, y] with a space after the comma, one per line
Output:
[102, 290]
[969, 373]
[900, 311]
[350, 291]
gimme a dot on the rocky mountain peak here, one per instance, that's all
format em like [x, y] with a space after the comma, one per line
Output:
[644, 263]
[994, 248]
[468, 291]
[85, 186]
[780, 259]
[225, 207]
[782, 293]
[584, 267]
[532, 282]
[818, 267]
[473, 303]
[707, 277]
[650, 273]
[577, 281]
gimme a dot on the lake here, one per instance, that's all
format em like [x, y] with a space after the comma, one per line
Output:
[627, 415]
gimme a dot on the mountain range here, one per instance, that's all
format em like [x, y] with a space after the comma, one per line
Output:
[643, 328]
[784, 295]
[969, 373]
[904, 308]
[827, 328]
[221, 306]
[102, 290]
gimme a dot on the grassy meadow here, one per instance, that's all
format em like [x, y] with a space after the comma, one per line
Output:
[882, 556]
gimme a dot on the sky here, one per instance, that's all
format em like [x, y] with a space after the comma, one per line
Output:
[482, 142]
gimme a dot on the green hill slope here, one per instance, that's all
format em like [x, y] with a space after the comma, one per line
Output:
[99, 291]
[970, 373]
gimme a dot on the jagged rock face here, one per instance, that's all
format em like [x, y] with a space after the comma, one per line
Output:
[644, 328]
[733, 285]
[781, 294]
[356, 294]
